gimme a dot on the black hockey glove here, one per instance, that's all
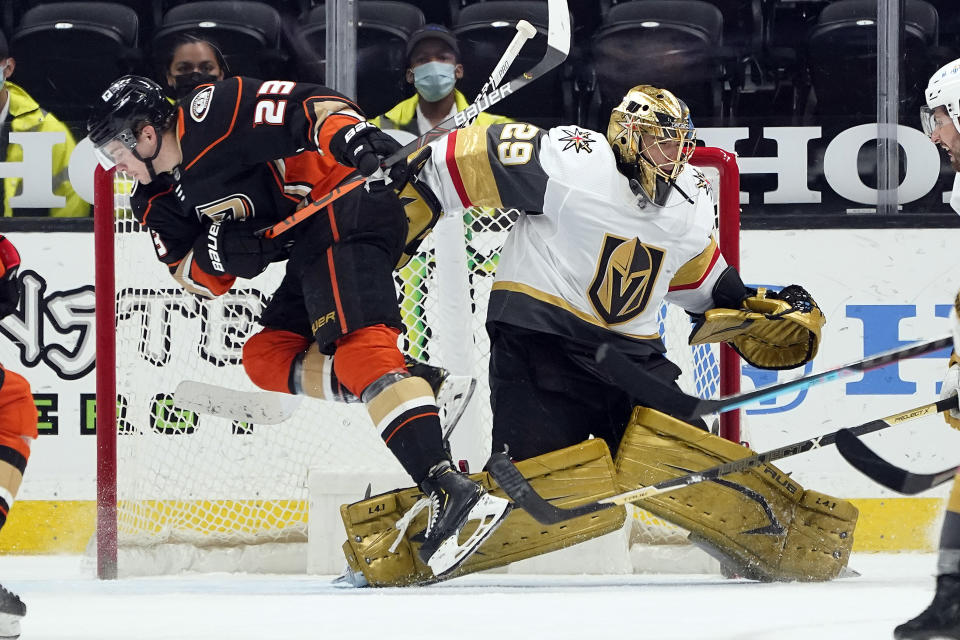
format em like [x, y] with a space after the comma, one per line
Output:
[232, 248]
[363, 146]
[9, 285]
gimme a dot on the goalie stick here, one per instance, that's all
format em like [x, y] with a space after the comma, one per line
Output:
[649, 389]
[869, 463]
[525, 496]
[558, 47]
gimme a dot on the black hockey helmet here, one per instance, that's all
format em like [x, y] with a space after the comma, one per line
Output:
[127, 105]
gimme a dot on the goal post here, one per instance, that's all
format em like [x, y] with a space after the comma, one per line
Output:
[178, 490]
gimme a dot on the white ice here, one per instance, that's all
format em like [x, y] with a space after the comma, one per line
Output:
[65, 601]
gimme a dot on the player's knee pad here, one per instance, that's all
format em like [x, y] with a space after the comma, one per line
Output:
[568, 477]
[760, 523]
[365, 355]
[268, 357]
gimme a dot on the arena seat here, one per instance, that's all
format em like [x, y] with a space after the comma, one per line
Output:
[382, 31]
[68, 52]
[247, 32]
[846, 30]
[667, 43]
[148, 12]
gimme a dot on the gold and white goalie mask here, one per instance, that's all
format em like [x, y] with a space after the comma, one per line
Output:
[653, 138]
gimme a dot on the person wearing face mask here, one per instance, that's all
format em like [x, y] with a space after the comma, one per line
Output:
[20, 113]
[191, 61]
[433, 59]
[434, 67]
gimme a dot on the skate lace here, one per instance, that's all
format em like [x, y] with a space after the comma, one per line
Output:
[404, 522]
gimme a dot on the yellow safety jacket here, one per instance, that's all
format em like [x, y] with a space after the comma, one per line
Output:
[403, 115]
[26, 115]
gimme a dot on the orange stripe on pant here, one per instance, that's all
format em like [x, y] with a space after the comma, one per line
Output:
[268, 356]
[364, 355]
[18, 414]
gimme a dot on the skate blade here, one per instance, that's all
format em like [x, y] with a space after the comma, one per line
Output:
[9, 626]
[490, 511]
[453, 396]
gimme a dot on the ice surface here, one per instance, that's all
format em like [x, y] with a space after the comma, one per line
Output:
[64, 600]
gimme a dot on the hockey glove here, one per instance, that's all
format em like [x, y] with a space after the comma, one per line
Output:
[363, 146]
[950, 388]
[770, 331]
[233, 248]
[9, 285]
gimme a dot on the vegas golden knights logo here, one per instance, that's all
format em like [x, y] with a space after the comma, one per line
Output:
[626, 272]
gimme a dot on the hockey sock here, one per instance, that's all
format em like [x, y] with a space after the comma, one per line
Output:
[406, 415]
[949, 555]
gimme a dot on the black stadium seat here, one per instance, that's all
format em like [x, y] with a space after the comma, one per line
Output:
[846, 30]
[68, 53]
[676, 44]
[247, 32]
[382, 32]
[148, 12]
[484, 30]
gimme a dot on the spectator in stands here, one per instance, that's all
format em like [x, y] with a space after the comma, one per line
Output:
[21, 113]
[190, 61]
[433, 56]
[433, 59]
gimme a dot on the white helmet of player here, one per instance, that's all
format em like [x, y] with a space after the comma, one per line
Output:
[653, 138]
[943, 90]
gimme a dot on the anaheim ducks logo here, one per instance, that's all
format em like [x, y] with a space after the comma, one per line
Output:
[626, 272]
[200, 104]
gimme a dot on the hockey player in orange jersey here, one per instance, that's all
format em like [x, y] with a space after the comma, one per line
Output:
[224, 149]
[18, 430]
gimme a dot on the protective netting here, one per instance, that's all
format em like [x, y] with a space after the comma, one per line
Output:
[210, 482]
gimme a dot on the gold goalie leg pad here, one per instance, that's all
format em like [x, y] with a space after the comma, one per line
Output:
[568, 477]
[759, 523]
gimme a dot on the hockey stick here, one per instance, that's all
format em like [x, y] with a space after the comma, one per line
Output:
[525, 31]
[884, 473]
[649, 389]
[558, 47]
[257, 407]
[519, 490]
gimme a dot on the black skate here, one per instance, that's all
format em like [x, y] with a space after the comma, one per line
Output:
[454, 500]
[941, 619]
[453, 393]
[12, 610]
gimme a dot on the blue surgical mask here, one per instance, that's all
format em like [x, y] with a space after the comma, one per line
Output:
[3, 75]
[434, 80]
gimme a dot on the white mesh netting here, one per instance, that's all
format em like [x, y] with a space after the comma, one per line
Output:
[205, 482]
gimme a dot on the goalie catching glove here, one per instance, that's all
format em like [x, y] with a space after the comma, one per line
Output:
[771, 330]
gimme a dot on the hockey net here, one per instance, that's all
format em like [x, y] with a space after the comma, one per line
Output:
[188, 491]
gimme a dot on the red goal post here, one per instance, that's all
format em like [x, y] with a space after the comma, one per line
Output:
[149, 513]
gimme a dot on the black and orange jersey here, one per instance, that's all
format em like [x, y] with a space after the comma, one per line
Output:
[251, 151]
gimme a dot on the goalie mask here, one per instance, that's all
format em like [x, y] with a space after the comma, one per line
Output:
[652, 138]
[127, 106]
[943, 90]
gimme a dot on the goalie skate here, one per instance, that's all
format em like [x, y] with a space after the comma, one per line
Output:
[455, 500]
[12, 610]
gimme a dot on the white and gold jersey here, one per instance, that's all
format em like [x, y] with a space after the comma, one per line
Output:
[588, 258]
